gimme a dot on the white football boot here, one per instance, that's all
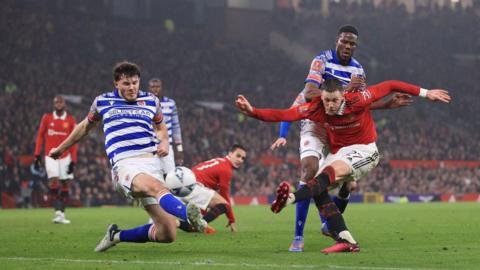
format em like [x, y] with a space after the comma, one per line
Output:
[195, 217]
[108, 240]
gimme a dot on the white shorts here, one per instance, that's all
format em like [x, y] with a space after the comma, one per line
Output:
[200, 196]
[125, 171]
[311, 145]
[361, 158]
[57, 168]
[168, 162]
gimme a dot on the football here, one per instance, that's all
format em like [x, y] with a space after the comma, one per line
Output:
[181, 181]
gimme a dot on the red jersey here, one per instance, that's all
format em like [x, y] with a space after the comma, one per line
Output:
[353, 124]
[216, 174]
[54, 130]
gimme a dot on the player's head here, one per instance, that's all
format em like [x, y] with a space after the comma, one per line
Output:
[346, 43]
[126, 78]
[332, 95]
[237, 154]
[155, 86]
[58, 103]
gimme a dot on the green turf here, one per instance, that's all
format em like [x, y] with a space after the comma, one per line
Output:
[392, 237]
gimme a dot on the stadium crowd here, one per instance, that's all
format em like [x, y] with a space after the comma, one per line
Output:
[50, 53]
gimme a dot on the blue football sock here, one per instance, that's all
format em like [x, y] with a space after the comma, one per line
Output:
[341, 203]
[173, 206]
[137, 235]
[301, 216]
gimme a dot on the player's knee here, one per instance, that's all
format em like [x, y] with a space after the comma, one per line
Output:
[217, 200]
[352, 186]
[309, 168]
[166, 233]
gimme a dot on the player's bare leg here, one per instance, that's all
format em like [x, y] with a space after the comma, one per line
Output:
[144, 185]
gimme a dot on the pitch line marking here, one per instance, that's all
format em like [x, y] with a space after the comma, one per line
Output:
[212, 263]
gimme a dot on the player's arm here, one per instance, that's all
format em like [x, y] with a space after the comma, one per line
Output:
[314, 78]
[80, 131]
[39, 141]
[285, 126]
[177, 136]
[394, 101]
[272, 115]
[384, 88]
[224, 191]
[73, 149]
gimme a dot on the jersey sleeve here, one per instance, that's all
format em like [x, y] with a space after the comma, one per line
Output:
[73, 150]
[382, 89]
[225, 177]
[294, 113]
[41, 135]
[176, 130]
[317, 69]
[362, 99]
[93, 114]
[158, 117]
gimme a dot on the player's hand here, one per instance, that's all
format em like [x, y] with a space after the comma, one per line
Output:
[55, 153]
[179, 158]
[280, 142]
[243, 105]
[355, 83]
[162, 148]
[438, 95]
[233, 227]
[399, 100]
[71, 167]
[37, 162]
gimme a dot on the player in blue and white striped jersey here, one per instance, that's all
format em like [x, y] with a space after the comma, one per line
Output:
[132, 125]
[170, 114]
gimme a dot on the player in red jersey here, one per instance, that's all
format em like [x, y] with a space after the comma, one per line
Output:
[352, 135]
[54, 128]
[212, 192]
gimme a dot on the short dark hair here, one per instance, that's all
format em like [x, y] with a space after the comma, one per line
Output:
[347, 29]
[153, 80]
[331, 85]
[236, 146]
[125, 68]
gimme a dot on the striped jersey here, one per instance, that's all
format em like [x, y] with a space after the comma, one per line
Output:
[326, 66]
[170, 114]
[127, 126]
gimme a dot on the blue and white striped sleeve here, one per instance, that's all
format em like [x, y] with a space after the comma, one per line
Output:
[176, 130]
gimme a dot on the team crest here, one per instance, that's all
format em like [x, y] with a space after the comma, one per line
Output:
[65, 125]
[141, 103]
[307, 142]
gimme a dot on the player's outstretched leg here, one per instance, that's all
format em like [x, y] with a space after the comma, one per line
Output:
[283, 191]
[300, 219]
[109, 240]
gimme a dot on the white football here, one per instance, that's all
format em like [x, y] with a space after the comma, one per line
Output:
[181, 181]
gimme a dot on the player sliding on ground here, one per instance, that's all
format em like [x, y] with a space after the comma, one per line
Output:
[351, 138]
[129, 116]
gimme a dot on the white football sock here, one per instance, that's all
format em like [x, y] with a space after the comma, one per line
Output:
[347, 236]
[291, 198]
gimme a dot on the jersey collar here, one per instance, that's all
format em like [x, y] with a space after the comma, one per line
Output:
[61, 117]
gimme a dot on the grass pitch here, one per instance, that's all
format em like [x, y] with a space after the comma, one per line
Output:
[391, 236]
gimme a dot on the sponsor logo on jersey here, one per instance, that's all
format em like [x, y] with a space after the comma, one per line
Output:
[52, 132]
